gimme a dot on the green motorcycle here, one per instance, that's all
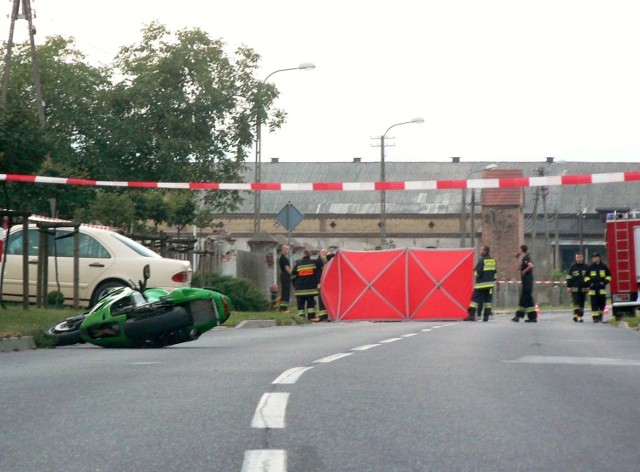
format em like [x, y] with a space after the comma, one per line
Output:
[136, 317]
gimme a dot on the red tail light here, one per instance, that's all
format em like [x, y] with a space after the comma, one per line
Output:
[225, 305]
[181, 277]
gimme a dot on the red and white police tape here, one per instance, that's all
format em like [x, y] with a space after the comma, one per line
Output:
[545, 181]
[540, 282]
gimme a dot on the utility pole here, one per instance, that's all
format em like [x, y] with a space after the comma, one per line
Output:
[25, 14]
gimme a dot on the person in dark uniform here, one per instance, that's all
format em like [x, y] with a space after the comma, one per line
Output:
[598, 277]
[325, 256]
[485, 276]
[285, 278]
[305, 281]
[526, 305]
[577, 286]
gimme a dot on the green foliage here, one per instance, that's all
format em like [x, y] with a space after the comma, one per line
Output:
[55, 299]
[182, 209]
[174, 107]
[113, 209]
[243, 293]
[558, 274]
[70, 90]
[203, 217]
[186, 108]
[158, 209]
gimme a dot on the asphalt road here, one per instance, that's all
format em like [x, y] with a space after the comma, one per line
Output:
[416, 396]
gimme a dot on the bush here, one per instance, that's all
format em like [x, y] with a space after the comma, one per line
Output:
[55, 299]
[243, 293]
[558, 275]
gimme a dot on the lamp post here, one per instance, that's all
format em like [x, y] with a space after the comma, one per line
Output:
[383, 198]
[463, 212]
[258, 165]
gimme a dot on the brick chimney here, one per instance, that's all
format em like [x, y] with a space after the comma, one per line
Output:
[503, 221]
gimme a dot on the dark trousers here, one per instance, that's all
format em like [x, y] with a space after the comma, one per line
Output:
[526, 305]
[598, 304]
[578, 299]
[482, 298]
[306, 303]
[285, 292]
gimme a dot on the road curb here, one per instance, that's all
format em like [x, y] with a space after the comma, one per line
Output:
[256, 324]
[23, 343]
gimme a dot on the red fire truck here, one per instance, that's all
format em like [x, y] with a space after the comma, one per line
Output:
[623, 249]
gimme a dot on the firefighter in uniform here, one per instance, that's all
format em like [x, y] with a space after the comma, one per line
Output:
[577, 286]
[526, 304]
[305, 280]
[598, 277]
[485, 276]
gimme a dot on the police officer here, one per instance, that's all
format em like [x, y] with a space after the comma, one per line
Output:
[485, 275]
[598, 277]
[305, 281]
[577, 286]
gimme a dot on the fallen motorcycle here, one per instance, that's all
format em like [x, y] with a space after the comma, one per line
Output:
[137, 317]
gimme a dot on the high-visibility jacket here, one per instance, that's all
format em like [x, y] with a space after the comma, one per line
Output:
[576, 277]
[306, 276]
[485, 272]
[598, 277]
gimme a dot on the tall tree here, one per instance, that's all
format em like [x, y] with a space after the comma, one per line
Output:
[175, 107]
[186, 110]
[71, 91]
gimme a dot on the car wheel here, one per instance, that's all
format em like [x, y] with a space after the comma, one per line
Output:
[104, 288]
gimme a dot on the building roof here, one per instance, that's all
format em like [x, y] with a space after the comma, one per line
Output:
[561, 199]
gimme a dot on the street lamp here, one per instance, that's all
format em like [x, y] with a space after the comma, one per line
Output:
[383, 210]
[257, 170]
[463, 212]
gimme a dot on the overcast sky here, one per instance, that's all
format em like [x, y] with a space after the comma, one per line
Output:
[494, 80]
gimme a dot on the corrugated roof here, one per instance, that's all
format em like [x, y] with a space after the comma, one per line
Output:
[563, 199]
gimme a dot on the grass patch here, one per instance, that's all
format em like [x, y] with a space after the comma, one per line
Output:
[16, 322]
[633, 322]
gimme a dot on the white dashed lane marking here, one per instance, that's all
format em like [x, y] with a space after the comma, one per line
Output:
[365, 347]
[265, 460]
[271, 410]
[291, 376]
[335, 357]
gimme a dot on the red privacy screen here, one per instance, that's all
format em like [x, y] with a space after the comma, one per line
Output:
[398, 284]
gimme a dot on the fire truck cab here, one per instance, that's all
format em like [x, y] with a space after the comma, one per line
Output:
[623, 249]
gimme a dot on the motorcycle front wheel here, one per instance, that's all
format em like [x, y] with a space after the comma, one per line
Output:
[67, 333]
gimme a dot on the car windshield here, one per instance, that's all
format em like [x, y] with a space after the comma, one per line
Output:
[137, 247]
